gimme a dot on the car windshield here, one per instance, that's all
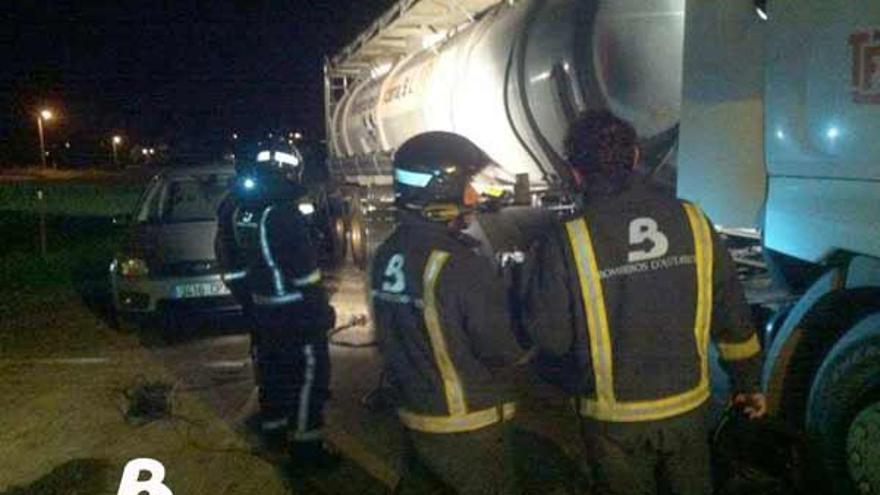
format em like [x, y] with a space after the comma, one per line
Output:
[193, 199]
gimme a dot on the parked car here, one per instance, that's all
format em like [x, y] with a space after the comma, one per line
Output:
[166, 267]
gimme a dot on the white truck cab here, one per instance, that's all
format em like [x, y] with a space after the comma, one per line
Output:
[780, 133]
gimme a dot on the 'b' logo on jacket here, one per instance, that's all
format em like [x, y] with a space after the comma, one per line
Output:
[645, 230]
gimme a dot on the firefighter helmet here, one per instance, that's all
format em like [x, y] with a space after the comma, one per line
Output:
[432, 172]
[268, 165]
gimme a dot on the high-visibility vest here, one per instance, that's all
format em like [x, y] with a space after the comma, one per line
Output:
[603, 405]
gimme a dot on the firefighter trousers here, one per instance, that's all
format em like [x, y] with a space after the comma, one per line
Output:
[471, 463]
[293, 378]
[665, 456]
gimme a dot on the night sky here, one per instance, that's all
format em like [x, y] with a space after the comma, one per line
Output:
[187, 73]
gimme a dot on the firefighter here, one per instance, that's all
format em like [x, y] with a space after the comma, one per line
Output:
[628, 291]
[270, 266]
[442, 324]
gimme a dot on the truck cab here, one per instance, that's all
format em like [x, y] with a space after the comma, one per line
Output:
[781, 106]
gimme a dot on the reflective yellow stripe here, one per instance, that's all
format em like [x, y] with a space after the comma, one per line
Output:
[451, 383]
[457, 423]
[648, 410]
[703, 253]
[310, 279]
[594, 308]
[741, 350]
[604, 406]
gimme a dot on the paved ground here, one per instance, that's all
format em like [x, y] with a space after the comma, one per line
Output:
[67, 408]
[71, 419]
[218, 371]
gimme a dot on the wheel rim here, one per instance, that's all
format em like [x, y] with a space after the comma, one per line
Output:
[863, 450]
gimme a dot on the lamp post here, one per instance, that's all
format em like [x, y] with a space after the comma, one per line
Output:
[44, 115]
[115, 142]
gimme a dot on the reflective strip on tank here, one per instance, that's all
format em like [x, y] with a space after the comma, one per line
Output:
[310, 279]
[604, 406]
[237, 275]
[457, 423]
[274, 300]
[451, 383]
[736, 351]
[267, 254]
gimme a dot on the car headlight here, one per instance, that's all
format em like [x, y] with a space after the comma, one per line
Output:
[132, 267]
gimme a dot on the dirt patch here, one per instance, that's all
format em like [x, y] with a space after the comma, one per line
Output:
[64, 376]
[66, 410]
[75, 477]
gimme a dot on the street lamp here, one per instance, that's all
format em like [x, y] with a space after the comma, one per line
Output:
[44, 115]
[115, 141]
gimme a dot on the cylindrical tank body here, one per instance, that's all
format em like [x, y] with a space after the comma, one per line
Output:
[513, 81]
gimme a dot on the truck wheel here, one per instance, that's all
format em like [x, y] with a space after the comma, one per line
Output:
[338, 232]
[358, 237]
[774, 324]
[843, 411]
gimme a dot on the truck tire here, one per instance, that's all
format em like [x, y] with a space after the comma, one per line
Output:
[843, 411]
[774, 324]
[339, 233]
[357, 234]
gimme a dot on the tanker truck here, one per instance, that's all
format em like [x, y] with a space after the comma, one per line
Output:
[764, 112]
[510, 76]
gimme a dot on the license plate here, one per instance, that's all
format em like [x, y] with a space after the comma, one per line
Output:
[202, 289]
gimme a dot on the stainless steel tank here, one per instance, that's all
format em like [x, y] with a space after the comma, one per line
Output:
[513, 80]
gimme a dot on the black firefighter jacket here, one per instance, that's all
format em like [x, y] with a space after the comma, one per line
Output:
[443, 329]
[630, 292]
[269, 262]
